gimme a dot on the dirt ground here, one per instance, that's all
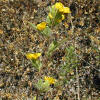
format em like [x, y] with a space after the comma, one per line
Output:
[17, 37]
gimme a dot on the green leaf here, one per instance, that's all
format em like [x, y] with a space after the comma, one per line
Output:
[50, 8]
[35, 98]
[48, 20]
[54, 45]
[46, 85]
[32, 25]
[37, 64]
[53, 12]
[42, 86]
[47, 31]
[51, 48]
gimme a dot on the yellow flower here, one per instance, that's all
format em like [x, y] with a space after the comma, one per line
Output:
[41, 26]
[50, 15]
[66, 10]
[50, 79]
[59, 6]
[33, 55]
[63, 17]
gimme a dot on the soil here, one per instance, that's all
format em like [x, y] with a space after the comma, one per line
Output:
[17, 37]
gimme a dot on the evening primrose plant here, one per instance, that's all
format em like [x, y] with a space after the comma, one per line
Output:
[55, 16]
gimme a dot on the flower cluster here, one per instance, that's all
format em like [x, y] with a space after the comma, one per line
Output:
[60, 7]
[56, 14]
[50, 80]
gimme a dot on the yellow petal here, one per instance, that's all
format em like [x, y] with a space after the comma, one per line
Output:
[66, 10]
[50, 79]
[59, 6]
[33, 55]
[50, 15]
[63, 17]
[41, 26]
